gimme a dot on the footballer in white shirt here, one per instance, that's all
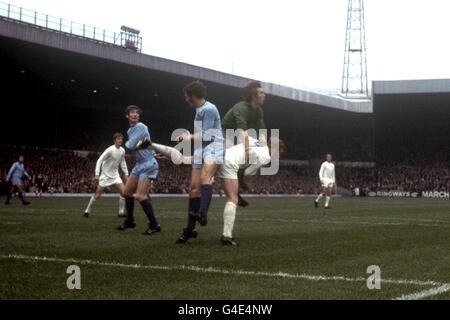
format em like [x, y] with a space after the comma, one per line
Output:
[108, 164]
[327, 180]
[235, 159]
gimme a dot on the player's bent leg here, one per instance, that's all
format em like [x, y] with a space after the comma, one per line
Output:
[194, 197]
[95, 197]
[21, 192]
[173, 154]
[9, 195]
[321, 195]
[231, 188]
[141, 195]
[243, 186]
[193, 207]
[130, 186]
[241, 201]
[195, 185]
[120, 187]
[208, 171]
[328, 198]
[121, 213]
[98, 192]
[128, 191]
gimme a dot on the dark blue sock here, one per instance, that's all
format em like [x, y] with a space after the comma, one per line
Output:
[21, 197]
[129, 205]
[9, 196]
[148, 209]
[194, 206]
[205, 200]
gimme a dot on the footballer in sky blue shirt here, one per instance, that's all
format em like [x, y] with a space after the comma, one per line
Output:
[207, 122]
[15, 174]
[207, 154]
[144, 171]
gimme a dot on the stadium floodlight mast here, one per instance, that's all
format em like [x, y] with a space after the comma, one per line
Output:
[354, 76]
[130, 38]
[130, 30]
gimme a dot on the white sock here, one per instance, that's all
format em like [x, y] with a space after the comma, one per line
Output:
[327, 201]
[229, 213]
[121, 205]
[91, 203]
[319, 197]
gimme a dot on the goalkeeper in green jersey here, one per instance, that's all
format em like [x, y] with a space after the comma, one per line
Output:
[245, 115]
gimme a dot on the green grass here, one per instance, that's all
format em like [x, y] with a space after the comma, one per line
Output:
[408, 238]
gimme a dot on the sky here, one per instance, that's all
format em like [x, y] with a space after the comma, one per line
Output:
[297, 43]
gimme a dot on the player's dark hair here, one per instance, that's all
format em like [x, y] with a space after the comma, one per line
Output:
[250, 90]
[133, 107]
[117, 135]
[195, 88]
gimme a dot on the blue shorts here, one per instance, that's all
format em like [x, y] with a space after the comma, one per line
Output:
[16, 181]
[147, 169]
[213, 150]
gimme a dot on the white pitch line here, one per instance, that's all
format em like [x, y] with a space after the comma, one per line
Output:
[216, 270]
[368, 223]
[406, 219]
[322, 221]
[425, 293]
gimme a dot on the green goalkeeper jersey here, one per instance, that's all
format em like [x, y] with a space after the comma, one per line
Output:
[243, 116]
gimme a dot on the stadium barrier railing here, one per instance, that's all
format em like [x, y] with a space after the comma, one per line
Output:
[72, 28]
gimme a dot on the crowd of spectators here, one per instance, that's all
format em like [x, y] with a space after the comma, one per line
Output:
[397, 178]
[64, 171]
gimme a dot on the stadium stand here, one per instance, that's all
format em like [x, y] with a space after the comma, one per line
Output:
[65, 171]
[71, 94]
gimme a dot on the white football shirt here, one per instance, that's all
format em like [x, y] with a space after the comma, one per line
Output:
[109, 162]
[327, 171]
[235, 156]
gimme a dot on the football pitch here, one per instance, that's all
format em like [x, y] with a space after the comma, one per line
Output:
[288, 250]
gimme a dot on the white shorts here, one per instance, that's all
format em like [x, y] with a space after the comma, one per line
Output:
[235, 157]
[107, 181]
[230, 166]
[328, 183]
[228, 170]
